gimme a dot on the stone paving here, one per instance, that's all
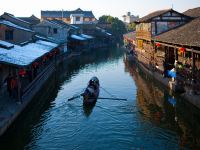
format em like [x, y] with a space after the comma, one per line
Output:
[8, 108]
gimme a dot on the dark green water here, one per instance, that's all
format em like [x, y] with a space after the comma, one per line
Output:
[150, 119]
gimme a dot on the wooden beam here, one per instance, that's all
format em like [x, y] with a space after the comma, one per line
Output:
[187, 49]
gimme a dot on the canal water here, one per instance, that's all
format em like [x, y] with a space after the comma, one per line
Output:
[151, 118]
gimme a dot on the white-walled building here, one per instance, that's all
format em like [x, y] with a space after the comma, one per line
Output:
[77, 16]
[128, 18]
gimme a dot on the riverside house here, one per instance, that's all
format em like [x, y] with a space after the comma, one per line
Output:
[14, 33]
[18, 42]
[153, 25]
[25, 62]
[54, 32]
[85, 20]
[16, 20]
[185, 47]
[167, 44]
[23, 71]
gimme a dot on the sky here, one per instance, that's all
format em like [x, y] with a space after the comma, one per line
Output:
[116, 8]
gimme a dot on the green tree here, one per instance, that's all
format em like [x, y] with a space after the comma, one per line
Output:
[131, 26]
[118, 28]
[103, 19]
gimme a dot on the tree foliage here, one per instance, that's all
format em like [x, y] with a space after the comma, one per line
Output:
[118, 28]
[131, 26]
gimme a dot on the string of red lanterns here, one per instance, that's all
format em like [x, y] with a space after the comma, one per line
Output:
[35, 64]
[22, 72]
[44, 59]
[158, 44]
[181, 49]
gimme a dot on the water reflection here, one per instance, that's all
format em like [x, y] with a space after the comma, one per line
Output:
[87, 109]
[21, 132]
[165, 109]
[149, 97]
[151, 118]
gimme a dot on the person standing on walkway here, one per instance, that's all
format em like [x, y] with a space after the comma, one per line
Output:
[14, 86]
[8, 81]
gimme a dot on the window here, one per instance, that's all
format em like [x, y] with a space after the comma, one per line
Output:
[9, 35]
[55, 30]
[78, 18]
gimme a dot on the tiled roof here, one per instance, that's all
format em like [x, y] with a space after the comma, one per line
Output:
[66, 14]
[32, 19]
[16, 18]
[10, 24]
[153, 14]
[188, 34]
[62, 23]
[195, 12]
[25, 55]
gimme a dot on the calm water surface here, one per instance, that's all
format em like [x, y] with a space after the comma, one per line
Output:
[150, 119]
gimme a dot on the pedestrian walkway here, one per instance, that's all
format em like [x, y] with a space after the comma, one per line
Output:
[8, 109]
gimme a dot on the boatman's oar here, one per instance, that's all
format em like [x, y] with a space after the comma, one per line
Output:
[70, 99]
[121, 99]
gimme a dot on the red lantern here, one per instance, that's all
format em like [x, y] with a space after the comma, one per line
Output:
[44, 58]
[22, 72]
[57, 51]
[50, 54]
[182, 49]
[35, 64]
[158, 44]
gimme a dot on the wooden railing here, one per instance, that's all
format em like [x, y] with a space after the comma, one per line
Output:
[143, 35]
[42, 76]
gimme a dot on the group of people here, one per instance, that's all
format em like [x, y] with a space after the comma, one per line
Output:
[12, 85]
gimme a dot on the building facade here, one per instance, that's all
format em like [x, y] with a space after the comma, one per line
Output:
[16, 20]
[77, 16]
[167, 43]
[153, 25]
[14, 33]
[128, 18]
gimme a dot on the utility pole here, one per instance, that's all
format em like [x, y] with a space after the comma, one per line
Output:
[62, 14]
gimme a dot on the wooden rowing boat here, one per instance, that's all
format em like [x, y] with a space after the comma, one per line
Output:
[91, 93]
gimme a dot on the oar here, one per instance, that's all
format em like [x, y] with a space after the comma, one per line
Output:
[70, 99]
[121, 99]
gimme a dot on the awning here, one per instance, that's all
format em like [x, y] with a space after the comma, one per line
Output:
[87, 36]
[108, 33]
[78, 37]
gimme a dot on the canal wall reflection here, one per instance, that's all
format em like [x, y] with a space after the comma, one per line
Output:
[20, 133]
[166, 110]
